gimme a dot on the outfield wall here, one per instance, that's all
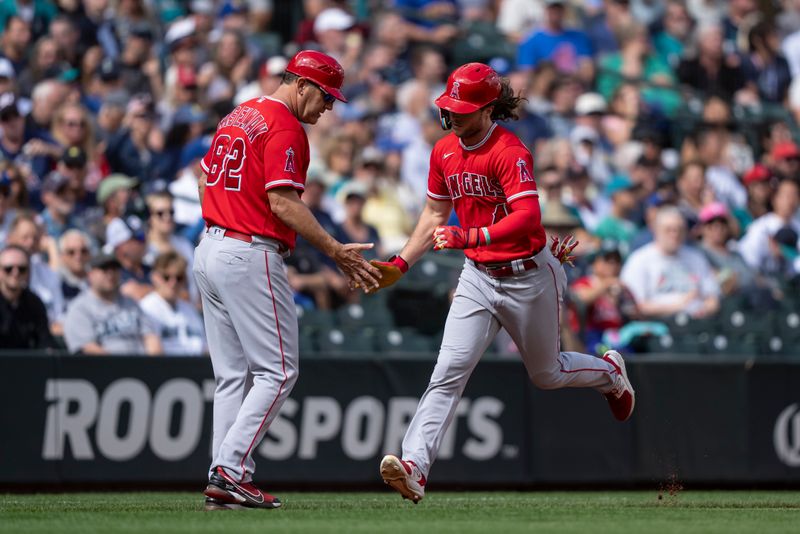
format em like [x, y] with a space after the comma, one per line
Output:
[135, 419]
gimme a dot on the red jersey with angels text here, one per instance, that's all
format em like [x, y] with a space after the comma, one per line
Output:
[482, 180]
[260, 145]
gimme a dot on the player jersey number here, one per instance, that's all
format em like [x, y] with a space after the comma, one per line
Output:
[228, 159]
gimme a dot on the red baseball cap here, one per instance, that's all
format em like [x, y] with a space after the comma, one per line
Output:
[759, 173]
[785, 150]
[714, 210]
[321, 69]
[469, 88]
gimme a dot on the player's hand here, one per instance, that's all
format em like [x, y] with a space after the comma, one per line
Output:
[456, 237]
[357, 270]
[562, 249]
[391, 271]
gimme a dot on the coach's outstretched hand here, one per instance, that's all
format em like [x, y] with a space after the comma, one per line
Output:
[391, 271]
[357, 270]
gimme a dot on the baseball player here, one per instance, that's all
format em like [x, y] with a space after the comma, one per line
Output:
[250, 194]
[510, 278]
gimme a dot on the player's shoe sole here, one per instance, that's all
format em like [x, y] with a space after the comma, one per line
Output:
[621, 399]
[222, 488]
[395, 475]
[214, 505]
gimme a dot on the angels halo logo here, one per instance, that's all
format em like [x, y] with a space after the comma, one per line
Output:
[454, 91]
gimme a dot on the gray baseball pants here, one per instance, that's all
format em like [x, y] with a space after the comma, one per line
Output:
[251, 325]
[528, 307]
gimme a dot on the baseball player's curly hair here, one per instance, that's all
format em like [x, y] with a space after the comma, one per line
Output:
[507, 104]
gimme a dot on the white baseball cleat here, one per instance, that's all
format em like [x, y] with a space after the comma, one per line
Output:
[404, 476]
[621, 398]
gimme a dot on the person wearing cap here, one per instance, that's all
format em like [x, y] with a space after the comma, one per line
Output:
[617, 226]
[785, 159]
[606, 303]
[23, 318]
[784, 262]
[511, 278]
[568, 49]
[335, 33]
[270, 74]
[667, 276]
[716, 231]
[74, 165]
[101, 321]
[354, 230]
[760, 184]
[754, 246]
[59, 201]
[250, 196]
[127, 242]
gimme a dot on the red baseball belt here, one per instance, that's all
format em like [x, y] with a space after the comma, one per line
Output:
[509, 268]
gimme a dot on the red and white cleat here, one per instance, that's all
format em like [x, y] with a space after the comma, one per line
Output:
[403, 476]
[621, 399]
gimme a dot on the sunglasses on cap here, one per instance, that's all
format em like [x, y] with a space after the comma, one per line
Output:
[326, 96]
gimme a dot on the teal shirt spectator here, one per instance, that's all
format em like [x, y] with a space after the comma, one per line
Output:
[669, 49]
[654, 71]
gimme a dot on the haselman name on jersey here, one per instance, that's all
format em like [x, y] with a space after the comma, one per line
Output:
[474, 185]
[248, 119]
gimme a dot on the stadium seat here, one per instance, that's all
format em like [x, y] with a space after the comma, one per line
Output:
[365, 313]
[403, 340]
[338, 341]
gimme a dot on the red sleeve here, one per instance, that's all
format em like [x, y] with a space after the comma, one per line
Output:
[514, 167]
[437, 185]
[285, 160]
[524, 218]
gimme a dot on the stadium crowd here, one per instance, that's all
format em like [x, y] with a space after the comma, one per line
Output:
[663, 132]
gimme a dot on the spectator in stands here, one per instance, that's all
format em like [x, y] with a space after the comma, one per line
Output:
[583, 196]
[428, 21]
[568, 49]
[720, 177]
[126, 241]
[23, 319]
[517, 18]
[710, 70]
[335, 33]
[637, 62]
[32, 155]
[59, 201]
[176, 320]
[759, 182]
[114, 194]
[765, 68]
[269, 78]
[26, 234]
[15, 41]
[161, 236]
[755, 244]
[72, 127]
[617, 227]
[603, 26]
[732, 273]
[74, 255]
[134, 149]
[218, 79]
[605, 302]
[353, 228]
[44, 56]
[693, 191]
[785, 159]
[139, 68]
[670, 42]
[7, 214]
[74, 166]
[667, 277]
[101, 321]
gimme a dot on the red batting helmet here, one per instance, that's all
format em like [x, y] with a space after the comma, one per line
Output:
[321, 69]
[469, 88]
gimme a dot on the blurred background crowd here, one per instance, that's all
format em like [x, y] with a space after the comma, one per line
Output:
[663, 132]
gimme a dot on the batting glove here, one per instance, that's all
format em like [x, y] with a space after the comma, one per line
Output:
[562, 249]
[456, 237]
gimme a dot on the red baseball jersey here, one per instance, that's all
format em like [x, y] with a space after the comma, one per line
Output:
[258, 146]
[482, 180]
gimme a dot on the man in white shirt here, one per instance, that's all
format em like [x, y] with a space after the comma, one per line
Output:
[666, 276]
[177, 321]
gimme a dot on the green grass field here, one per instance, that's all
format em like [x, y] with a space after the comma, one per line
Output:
[385, 512]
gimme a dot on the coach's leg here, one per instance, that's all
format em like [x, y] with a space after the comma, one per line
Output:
[530, 311]
[227, 355]
[469, 330]
[263, 313]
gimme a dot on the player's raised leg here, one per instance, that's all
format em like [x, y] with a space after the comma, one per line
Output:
[469, 330]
